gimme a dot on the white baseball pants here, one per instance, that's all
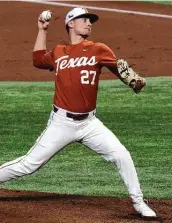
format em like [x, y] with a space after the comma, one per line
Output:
[61, 131]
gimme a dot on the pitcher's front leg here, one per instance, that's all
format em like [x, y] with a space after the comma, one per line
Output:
[101, 140]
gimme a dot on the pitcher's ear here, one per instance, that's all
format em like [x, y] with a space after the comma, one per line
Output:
[70, 24]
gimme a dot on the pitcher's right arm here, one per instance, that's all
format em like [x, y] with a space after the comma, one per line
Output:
[42, 59]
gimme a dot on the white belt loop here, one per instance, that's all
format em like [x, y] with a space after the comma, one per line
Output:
[92, 113]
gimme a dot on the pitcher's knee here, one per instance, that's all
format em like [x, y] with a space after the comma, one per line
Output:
[121, 156]
[18, 168]
[28, 167]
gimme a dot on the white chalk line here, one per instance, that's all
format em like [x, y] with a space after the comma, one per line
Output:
[100, 8]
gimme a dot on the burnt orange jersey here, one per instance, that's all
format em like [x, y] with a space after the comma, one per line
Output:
[77, 70]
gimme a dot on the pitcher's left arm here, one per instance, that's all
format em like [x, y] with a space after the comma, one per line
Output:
[121, 69]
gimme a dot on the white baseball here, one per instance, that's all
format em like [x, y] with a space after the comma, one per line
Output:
[46, 15]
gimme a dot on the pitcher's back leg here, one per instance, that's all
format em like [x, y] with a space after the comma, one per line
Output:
[54, 138]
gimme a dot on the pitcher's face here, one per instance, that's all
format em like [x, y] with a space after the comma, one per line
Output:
[82, 26]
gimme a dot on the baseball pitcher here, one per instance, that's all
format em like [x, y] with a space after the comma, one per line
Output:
[77, 68]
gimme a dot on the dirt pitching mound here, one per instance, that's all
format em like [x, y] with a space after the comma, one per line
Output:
[35, 207]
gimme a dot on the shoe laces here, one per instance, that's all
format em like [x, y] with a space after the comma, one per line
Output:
[146, 201]
[145, 206]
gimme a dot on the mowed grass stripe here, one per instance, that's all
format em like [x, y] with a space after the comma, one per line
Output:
[142, 122]
[161, 2]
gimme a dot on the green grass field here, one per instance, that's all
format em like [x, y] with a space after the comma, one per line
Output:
[160, 2]
[142, 122]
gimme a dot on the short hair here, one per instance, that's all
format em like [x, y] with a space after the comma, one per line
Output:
[67, 28]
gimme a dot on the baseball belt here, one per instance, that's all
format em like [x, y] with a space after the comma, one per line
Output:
[77, 117]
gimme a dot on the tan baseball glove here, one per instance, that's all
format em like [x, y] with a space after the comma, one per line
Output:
[129, 77]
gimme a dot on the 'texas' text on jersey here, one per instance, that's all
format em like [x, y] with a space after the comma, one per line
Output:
[77, 69]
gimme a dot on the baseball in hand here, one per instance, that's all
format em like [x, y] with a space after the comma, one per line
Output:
[46, 15]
